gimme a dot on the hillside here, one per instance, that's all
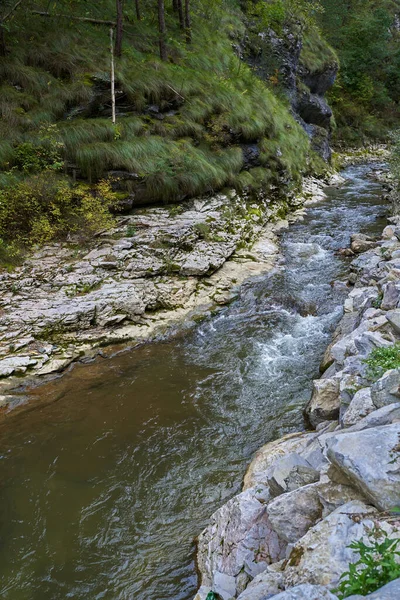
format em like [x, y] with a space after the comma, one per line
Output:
[237, 107]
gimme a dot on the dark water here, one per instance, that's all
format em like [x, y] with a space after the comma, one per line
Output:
[106, 481]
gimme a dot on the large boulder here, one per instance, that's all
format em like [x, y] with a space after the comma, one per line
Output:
[370, 459]
[391, 295]
[238, 544]
[325, 401]
[386, 390]
[323, 554]
[291, 515]
[360, 406]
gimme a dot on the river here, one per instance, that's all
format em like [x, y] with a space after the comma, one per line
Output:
[112, 470]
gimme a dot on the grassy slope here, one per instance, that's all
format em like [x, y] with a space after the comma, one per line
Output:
[219, 103]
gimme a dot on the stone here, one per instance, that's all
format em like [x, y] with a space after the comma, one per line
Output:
[370, 459]
[265, 585]
[386, 390]
[290, 472]
[13, 364]
[291, 515]
[361, 243]
[393, 316]
[324, 403]
[388, 232]
[383, 416]
[268, 454]
[390, 591]
[360, 406]
[391, 295]
[306, 591]
[238, 544]
[323, 554]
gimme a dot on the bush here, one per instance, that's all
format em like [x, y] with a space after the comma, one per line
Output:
[381, 360]
[377, 565]
[45, 154]
[46, 206]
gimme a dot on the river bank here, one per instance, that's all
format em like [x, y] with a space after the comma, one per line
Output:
[159, 270]
[308, 495]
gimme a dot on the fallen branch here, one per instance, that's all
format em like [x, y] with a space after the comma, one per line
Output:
[84, 19]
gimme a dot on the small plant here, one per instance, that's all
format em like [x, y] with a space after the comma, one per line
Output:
[130, 231]
[378, 565]
[381, 360]
[376, 303]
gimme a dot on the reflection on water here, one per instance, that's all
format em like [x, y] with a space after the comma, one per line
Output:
[107, 481]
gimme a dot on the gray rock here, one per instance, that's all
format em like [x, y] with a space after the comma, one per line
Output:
[370, 459]
[383, 416]
[390, 591]
[289, 473]
[306, 591]
[291, 515]
[265, 585]
[393, 316]
[268, 454]
[361, 243]
[391, 295]
[325, 401]
[386, 390]
[15, 364]
[238, 544]
[360, 406]
[323, 554]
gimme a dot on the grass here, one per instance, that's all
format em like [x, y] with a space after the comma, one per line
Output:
[211, 103]
[381, 360]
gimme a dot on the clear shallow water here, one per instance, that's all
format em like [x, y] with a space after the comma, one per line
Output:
[106, 480]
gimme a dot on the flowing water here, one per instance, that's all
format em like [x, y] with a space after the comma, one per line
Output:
[114, 469]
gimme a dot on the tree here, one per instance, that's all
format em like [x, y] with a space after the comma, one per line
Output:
[162, 30]
[188, 26]
[137, 8]
[119, 28]
[3, 19]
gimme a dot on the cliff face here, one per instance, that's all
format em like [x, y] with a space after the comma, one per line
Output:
[303, 67]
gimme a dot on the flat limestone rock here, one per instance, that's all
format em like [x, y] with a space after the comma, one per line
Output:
[370, 459]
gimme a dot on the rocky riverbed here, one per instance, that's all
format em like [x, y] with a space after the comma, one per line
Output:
[309, 495]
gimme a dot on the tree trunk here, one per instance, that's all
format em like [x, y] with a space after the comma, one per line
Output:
[3, 48]
[112, 75]
[180, 13]
[118, 39]
[162, 30]
[188, 26]
[137, 8]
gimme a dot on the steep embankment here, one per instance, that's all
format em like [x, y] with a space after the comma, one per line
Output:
[198, 122]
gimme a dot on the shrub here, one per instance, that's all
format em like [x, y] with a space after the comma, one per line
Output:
[378, 565]
[381, 360]
[46, 206]
[45, 154]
